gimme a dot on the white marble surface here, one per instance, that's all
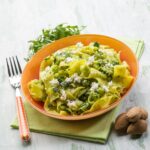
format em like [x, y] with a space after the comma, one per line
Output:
[22, 20]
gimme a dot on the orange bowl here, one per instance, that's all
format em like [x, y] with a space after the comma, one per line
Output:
[31, 70]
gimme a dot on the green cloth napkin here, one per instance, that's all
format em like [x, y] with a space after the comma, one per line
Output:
[95, 129]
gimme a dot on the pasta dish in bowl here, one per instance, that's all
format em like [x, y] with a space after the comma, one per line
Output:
[79, 77]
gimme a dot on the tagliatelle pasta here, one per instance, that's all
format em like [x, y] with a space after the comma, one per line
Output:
[80, 79]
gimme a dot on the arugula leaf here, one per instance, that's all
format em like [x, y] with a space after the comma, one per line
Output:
[50, 35]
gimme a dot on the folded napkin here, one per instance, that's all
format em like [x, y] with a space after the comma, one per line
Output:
[95, 129]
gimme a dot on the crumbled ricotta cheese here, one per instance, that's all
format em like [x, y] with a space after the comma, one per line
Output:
[63, 95]
[110, 83]
[90, 60]
[54, 82]
[71, 103]
[68, 80]
[44, 73]
[47, 68]
[79, 45]
[58, 52]
[69, 59]
[107, 52]
[76, 78]
[105, 88]
[94, 86]
[109, 65]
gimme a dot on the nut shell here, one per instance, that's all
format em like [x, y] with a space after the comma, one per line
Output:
[138, 127]
[134, 114]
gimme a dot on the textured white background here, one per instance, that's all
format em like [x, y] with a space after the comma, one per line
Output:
[22, 20]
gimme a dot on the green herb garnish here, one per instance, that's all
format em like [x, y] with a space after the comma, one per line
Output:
[50, 35]
[96, 44]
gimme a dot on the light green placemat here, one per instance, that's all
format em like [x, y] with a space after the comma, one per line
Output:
[95, 129]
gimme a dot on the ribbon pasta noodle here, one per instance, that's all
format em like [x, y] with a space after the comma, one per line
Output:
[80, 79]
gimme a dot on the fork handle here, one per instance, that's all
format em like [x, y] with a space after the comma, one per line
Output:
[22, 119]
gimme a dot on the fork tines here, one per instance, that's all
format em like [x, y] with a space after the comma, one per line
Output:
[13, 66]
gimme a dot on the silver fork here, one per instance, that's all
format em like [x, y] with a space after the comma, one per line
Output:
[14, 73]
